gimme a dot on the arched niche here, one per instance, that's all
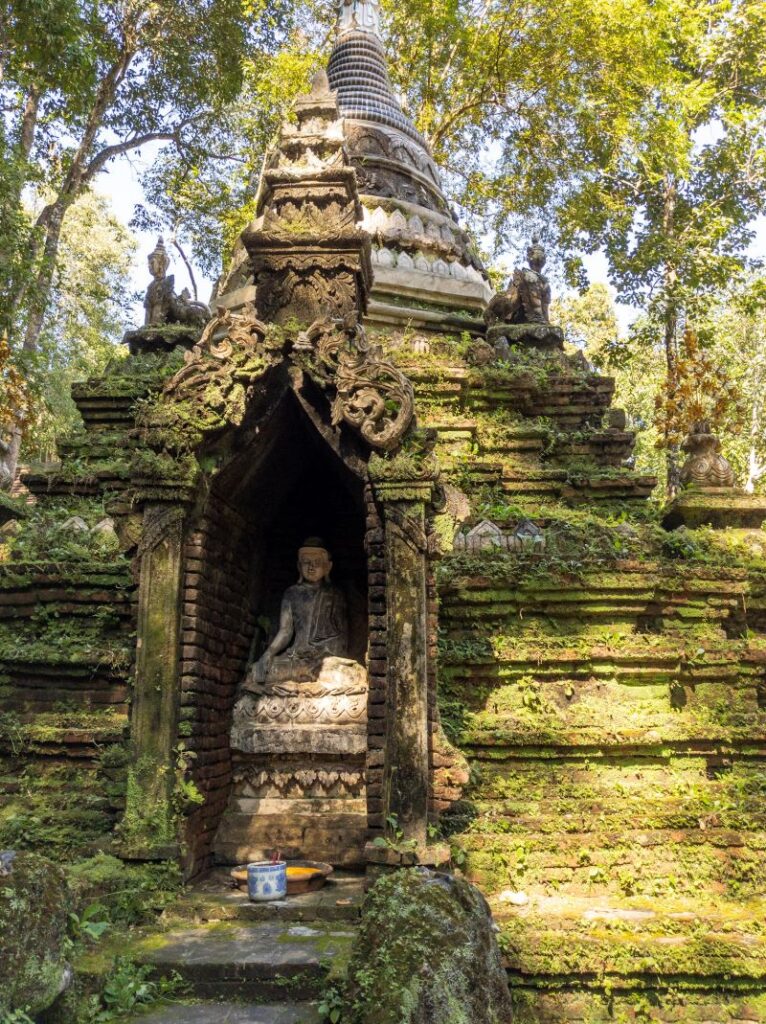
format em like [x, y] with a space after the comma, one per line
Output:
[283, 477]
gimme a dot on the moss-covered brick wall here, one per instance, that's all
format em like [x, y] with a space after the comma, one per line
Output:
[217, 626]
[67, 626]
[608, 691]
[610, 694]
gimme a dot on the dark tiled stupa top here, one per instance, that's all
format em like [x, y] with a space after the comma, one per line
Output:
[357, 72]
[392, 158]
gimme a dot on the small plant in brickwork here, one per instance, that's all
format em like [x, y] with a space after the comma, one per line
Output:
[331, 1005]
[395, 840]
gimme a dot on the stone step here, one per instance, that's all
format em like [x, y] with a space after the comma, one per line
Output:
[215, 899]
[232, 1013]
[262, 962]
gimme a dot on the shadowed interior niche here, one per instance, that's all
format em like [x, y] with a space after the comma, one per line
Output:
[299, 784]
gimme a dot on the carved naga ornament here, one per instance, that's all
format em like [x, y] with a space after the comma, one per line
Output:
[236, 349]
[372, 395]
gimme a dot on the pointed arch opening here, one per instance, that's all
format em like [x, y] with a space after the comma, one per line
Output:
[302, 787]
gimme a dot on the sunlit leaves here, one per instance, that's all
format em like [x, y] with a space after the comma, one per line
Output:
[14, 394]
[699, 388]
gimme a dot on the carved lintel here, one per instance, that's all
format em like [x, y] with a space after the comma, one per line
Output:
[408, 526]
[160, 521]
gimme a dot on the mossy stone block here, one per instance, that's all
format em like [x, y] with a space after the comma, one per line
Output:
[426, 954]
[33, 934]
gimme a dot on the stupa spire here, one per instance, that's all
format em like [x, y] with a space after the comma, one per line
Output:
[358, 72]
[359, 16]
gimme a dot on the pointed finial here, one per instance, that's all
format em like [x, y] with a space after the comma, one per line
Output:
[359, 16]
[320, 84]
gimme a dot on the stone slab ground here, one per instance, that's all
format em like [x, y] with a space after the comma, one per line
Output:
[263, 961]
[232, 1013]
[250, 963]
[214, 899]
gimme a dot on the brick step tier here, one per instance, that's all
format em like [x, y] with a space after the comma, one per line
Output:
[586, 937]
[569, 401]
[601, 714]
[76, 590]
[650, 862]
[554, 484]
[686, 665]
[520, 446]
[664, 1001]
[87, 445]
[94, 479]
[32, 689]
[40, 735]
[284, 1012]
[260, 961]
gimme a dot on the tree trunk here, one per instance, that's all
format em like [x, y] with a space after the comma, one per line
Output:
[44, 276]
[755, 468]
[46, 233]
[17, 290]
[670, 335]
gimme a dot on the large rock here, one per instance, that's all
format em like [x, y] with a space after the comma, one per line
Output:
[427, 954]
[33, 933]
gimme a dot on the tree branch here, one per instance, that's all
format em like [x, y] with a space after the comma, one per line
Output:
[108, 153]
[188, 265]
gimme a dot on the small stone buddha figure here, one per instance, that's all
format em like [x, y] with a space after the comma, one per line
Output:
[161, 303]
[160, 291]
[313, 623]
[528, 296]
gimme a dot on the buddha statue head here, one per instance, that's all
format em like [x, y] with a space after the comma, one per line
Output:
[314, 561]
[158, 260]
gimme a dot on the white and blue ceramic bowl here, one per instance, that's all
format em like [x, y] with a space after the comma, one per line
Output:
[267, 880]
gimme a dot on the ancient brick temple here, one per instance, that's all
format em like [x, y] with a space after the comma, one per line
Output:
[573, 693]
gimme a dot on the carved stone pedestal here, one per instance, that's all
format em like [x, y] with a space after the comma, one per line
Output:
[298, 752]
[543, 337]
[719, 507]
[711, 496]
[162, 338]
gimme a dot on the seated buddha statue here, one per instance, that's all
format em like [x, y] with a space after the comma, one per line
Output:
[304, 695]
[313, 623]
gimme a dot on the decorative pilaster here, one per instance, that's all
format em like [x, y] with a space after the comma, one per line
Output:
[149, 828]
[404, 492]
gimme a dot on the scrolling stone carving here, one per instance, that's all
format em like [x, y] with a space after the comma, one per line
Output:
[212, 387]
[372, 395]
